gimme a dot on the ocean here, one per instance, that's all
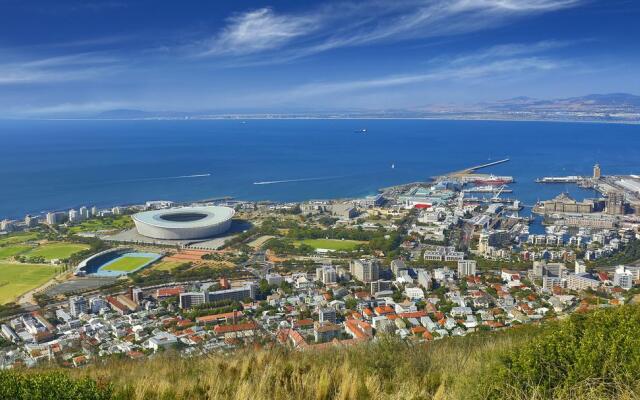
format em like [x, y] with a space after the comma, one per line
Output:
[56, 165]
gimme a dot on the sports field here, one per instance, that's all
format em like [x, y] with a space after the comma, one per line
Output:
[331, 244]
[56, 250]
[18, 238]
[168, 265]
[17, 279]
[13, 250]
[127, 263]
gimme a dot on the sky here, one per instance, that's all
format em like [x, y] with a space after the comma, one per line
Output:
[73, 58]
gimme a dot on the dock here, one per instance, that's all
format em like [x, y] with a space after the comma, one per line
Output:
[470, 170]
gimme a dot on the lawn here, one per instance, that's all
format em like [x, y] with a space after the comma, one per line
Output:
[103, 224]
[168, 265]
[331, 244]
[127, 264]
[17, 279]
[56, 250]
[10, 251]
[18, 238]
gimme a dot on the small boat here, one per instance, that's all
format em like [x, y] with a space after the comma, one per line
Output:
[393, 166]
[364, 130]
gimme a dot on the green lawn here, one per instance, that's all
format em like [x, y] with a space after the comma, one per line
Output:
[126, 264]
[57, 250]
[103, 224]
[18, 238]
[10, 251]
[17, 279]
[168, 265]
[331, 244]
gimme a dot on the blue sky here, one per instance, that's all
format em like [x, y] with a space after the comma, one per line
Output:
[63, 57]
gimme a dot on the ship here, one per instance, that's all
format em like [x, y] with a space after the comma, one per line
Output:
[486, 189]
[493, 180]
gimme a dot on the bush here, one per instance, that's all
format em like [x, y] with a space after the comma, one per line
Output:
[596, 354]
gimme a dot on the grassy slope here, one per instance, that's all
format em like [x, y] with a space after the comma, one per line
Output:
[16, 279]
[594, 357]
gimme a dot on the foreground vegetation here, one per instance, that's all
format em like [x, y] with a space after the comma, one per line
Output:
[592, 356]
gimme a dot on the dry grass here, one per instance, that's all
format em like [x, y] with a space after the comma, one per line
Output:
[385, 370]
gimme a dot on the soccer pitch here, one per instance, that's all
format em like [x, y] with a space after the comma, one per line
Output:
[127, 263]
[17, 279]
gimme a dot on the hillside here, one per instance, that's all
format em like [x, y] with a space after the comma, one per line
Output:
[588, 356]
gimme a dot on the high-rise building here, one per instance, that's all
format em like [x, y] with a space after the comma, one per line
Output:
[597, 173]
[54, 218]
[326, 274]
[466, 267]
[30, 221]
[365, 270]
[615, 203]
[425, 279]
[74, 215]
[94, 211]
[7, 226]
[97, 303]
[327, 314]
[623, 278]
[77, 305]
[84, 212]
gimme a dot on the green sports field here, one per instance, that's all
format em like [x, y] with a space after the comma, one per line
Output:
[14, 250]
[56, 251]
[331, 244]
[168, 265]
[127, 264]
[18, 238]
[17, 279]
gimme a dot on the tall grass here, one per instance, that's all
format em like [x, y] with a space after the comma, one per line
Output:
[593, 357]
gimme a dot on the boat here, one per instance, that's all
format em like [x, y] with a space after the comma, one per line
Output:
[494, 180]
[393, 166]
[364, 130]
[486, 189]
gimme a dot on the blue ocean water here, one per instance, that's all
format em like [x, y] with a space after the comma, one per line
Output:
[52, 165]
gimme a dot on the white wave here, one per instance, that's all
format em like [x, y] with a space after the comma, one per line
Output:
[294, 180]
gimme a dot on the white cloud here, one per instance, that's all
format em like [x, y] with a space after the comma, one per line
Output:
[355, 24]
[492, 63]
[259, 30]
[70, 108]
[71, 67]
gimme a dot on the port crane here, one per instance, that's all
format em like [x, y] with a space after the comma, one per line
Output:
[496, 196]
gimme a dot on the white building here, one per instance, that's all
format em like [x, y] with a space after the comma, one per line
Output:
[466, 267]
[623, 278]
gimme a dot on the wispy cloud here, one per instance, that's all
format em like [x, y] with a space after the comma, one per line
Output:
[259, 30]
[495, 62]
[69, 108]
[70, 67]
[262, 31]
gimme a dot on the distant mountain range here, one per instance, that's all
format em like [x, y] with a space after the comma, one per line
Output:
[613, 107]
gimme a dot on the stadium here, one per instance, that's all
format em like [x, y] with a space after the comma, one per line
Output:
[184, 223]
[115, 262]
